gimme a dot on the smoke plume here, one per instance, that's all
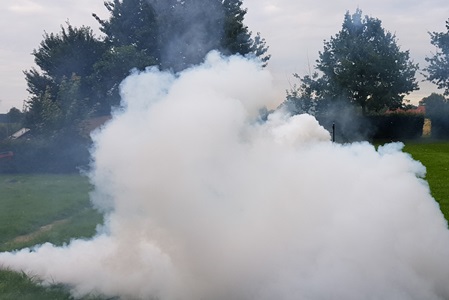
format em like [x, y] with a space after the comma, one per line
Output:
[205, 201]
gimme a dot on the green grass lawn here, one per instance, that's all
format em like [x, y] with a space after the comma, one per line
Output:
[435, 156]
[28, 203]
[20, 286]
[35, 209]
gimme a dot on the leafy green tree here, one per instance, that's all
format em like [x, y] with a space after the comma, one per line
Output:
[73, 50]
[63, 112]
[436, 105]
[437, 110]
[131, 23]
[237, 37]
[14, 115]
[189, 30]
[70, 54]
[363, 65]
[303, 98]
[178, 34]
[171, 34]
[133, 42]
[110, 70]
[438, 68]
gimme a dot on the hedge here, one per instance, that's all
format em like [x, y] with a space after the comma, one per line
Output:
[397, 126]
[45, 155]
[440, 127]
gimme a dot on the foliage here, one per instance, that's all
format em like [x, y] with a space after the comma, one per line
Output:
[362, 65]
[14, 115]
[435, 104]
[132, 22]
[237, 38]
[188, 31]
[10, 123]
[79, 75]
[63, 113]
[60, 92]
[132, 39]
[303, 98]
[110, 70]
[178, 34]
[437, 110]
[397, 126]
[73, 50]
[46, 154]
[438, 68]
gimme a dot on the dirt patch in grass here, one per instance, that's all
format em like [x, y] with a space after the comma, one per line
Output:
[44, 229]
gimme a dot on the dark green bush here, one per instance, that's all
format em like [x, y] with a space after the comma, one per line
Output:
[45, 155]
[440, 127]
[349, 127]
[397, 125]
[437, 110]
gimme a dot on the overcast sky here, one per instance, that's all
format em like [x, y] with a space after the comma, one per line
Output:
[294, 29]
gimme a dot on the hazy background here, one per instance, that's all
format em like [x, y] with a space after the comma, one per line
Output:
[294, 30]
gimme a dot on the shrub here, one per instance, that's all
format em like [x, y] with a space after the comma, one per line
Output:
[440, 127]
[45, 155]
[437, 110]
[397, 125]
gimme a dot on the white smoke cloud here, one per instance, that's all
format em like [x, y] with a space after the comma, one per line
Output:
[203, 201]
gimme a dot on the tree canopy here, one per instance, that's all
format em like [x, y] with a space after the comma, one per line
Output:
[438, 68]
[437, 110]
[178, 34]
[363, 65]
[436, 105]
[79, 73]
[62, 57]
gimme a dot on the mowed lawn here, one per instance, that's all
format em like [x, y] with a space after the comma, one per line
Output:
[35, 209]
[38, 208]
[435, 156]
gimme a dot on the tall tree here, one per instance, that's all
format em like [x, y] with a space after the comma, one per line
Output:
[438, 68]
[110, 70]
[131, 23]
[72, 52]
[237, 38]
[363, 65]
[178, 34]
[14, 115]
[436, 106]
[189, 30]
[437, 110]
